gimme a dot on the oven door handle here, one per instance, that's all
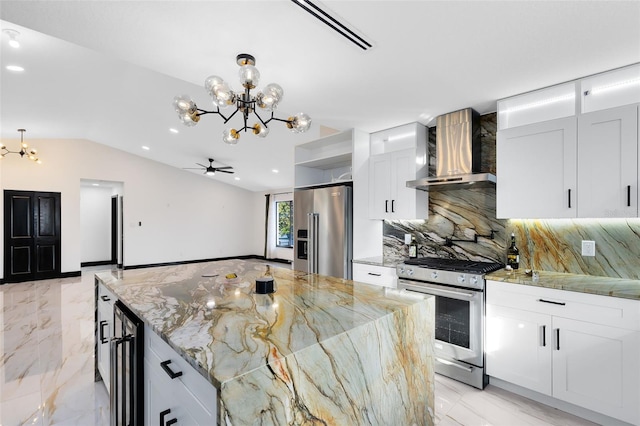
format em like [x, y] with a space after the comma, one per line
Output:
[436, 291]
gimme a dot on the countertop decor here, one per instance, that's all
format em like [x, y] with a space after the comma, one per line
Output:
[320, 350]
[604, 286]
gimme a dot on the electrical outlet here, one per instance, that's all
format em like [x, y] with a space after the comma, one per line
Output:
[407, 238]
[588, 248]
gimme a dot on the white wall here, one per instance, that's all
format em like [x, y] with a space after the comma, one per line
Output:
[183, 216]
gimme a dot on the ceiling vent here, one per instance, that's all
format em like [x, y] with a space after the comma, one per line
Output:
[332, 22]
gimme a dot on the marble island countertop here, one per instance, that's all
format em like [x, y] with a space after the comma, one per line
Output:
[604, 286]
[316, 346]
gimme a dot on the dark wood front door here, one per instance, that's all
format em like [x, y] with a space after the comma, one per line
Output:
[32, 235]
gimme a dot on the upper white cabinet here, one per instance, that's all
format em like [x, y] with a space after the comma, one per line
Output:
[325, 160]
[571, 150]
[608, 163]
[397, 156]
[536, 170]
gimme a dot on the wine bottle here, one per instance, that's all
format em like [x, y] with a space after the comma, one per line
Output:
[413, 248]
[513, 254]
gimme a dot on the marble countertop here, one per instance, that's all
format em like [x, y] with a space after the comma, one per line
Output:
[225, 330]
[378, 261]
[604, 286]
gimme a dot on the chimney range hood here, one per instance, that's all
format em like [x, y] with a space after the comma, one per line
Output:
[458, 149]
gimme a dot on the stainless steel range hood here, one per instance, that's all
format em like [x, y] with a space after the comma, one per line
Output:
[458, 150]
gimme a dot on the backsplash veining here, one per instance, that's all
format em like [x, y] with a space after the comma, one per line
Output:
[548, 245]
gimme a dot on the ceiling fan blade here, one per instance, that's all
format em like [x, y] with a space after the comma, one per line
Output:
[224, 171]
[225, 167]
[192, 168]
[201, 165]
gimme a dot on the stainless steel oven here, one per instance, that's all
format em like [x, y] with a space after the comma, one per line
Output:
[458, 287]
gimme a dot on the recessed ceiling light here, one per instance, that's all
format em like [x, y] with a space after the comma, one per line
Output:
[16, 68]
[236, 178]
[95, 184]
[146, 148]
[275, 170]
[172, 130]
[13, 38]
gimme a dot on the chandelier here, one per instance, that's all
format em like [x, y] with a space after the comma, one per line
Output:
[223, 97]
[31, 153]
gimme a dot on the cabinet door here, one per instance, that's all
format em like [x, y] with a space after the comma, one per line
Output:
[518, 347]
[403, 199]
[608, 163]
[379, 186]
[596, 367]
[536, 170]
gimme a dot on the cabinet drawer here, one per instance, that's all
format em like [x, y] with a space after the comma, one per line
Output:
[196, 394]
[611, 311]
[378, 275]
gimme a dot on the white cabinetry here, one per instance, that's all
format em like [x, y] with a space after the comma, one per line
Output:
[174, 389]
[372, 274]
[106, 300]
[578, 348]
[397, 156]
[325, 160]
[536, 170]
[608, 163]
[571, 150]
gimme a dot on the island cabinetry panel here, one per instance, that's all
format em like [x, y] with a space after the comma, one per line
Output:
[536, 170]
[578, 348]
[378, 275]
[104, 332]
[608, 163]
[172, 384]
[398, 155]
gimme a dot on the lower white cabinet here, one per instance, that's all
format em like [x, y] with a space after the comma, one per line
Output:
[372, 274]
[105, 302]
[579, 348]
[175, 393]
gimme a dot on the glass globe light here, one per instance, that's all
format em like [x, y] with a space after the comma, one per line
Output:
[249, 76]
[211, 82]
[230, 136]
[222, 95]
[184, 103]
[260, 130]
[270, 96]
[189, 120]
[299, 123]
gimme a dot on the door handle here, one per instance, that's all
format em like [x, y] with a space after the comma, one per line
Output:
[168, 370]
[105, 298]
[375, 275]
[102, 338]
[386, 206]
[557, 339]
[393, 208]
[543, 331]
[167, 422]
[552, 302]
[569, 198]
[628, 195]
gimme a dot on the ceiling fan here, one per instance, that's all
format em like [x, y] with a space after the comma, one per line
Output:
[210, 170]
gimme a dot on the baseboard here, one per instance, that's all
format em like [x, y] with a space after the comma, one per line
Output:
[556, 403]
[186, 262]
[97, 263]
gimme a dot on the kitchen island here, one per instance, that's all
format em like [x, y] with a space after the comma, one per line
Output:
[320, 350]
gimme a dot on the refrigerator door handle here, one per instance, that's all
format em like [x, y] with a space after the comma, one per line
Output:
[312, 258]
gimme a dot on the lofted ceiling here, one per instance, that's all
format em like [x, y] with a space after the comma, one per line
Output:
[107, 71]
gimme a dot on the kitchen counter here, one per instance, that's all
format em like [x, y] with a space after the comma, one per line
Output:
[378, 261]
[604, 286]
[319, 349]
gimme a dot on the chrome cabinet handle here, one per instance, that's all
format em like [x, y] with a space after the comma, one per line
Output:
[168, 370]
[103, 340]
[543, 331]
[167, 422]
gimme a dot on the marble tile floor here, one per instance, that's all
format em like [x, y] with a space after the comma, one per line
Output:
[46, 366]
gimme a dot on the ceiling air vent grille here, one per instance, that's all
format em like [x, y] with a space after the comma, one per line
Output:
[333, 23]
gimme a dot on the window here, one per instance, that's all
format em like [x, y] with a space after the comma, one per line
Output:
[284, 224]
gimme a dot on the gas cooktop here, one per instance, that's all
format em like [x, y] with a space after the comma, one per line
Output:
[455, 265]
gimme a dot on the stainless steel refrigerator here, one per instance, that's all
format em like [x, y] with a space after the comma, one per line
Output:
[323, 231]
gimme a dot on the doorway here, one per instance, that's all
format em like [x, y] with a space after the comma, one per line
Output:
[32, 248]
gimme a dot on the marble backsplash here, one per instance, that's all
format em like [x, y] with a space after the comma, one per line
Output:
[547, 245]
